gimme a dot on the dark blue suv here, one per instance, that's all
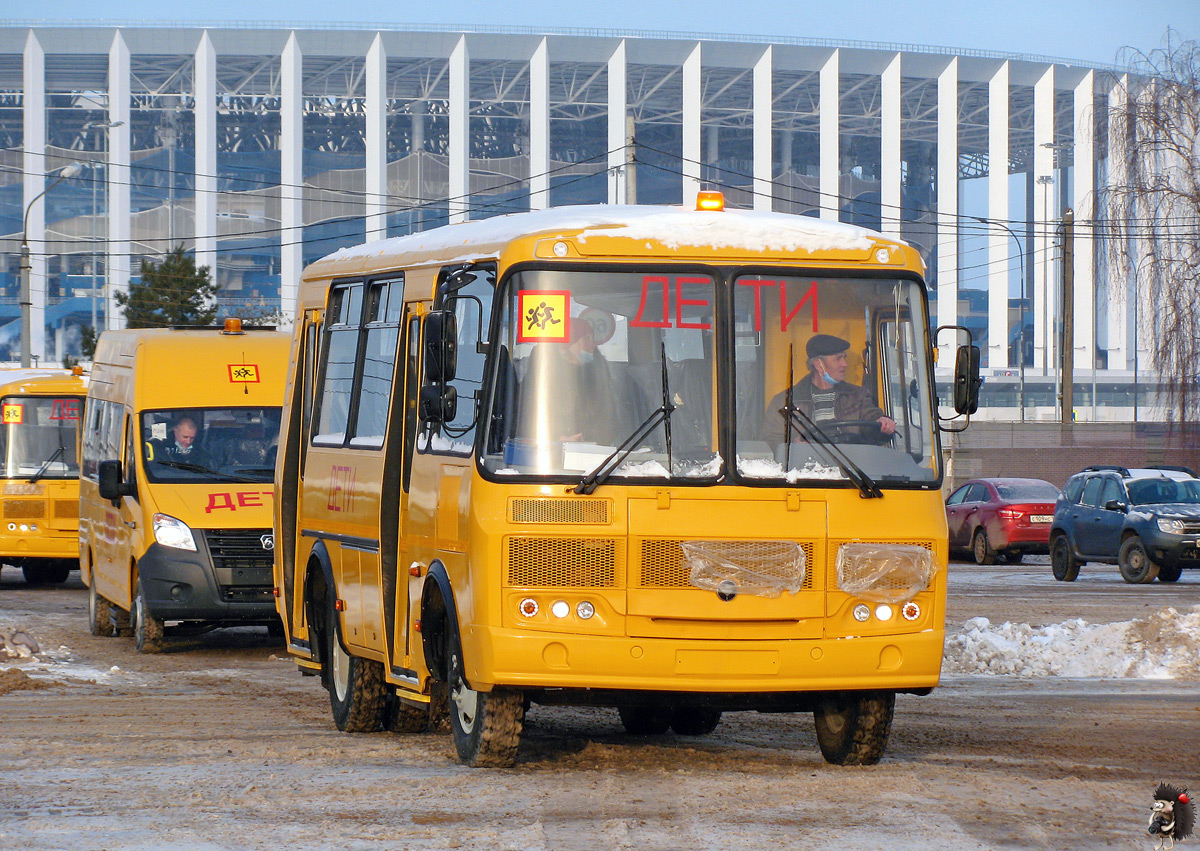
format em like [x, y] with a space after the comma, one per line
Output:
[1145, 520]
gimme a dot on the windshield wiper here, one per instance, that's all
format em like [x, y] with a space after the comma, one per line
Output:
[813, 433]
[46, 464]
[661, 414]
[196, 468]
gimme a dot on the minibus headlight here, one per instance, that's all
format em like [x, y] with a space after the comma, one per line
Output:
[173, 533]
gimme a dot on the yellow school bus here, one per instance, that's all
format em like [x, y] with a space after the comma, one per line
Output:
[39, 450]
[566, 457]
[175, 497]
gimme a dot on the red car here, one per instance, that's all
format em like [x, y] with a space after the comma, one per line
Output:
[1012, 517]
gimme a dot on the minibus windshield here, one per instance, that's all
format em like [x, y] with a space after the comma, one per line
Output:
[210, 444]
[38, 436]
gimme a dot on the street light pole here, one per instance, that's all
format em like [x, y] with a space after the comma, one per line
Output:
[68, 171]
[1021, 256]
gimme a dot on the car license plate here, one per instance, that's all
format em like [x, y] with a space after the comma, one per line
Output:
[1041, 518]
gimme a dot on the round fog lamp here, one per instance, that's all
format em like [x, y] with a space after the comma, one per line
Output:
[528, 607]
[861, 612]
[911, 611]
[560, 609]
[884, 613]
[585, 610]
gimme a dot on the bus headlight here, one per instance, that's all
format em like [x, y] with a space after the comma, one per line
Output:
[173, 533]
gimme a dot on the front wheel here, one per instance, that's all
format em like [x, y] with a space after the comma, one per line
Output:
[853, 728]
[645, 720]
[485, 725]
[147, 629]
[1169, 574]
[99, 612]
[983, 553]
[357, 692]
[1135, 563]
[1063, 563]
[695, 721]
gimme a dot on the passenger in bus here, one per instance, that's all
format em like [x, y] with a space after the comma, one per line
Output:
[181, 447]
[253, 446]
[825, 396]
[574, 398]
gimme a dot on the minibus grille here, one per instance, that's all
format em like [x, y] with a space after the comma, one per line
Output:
[832, 554]
[66, 509]
[553, 510]
[23, 509]
[663, 565]
[563, 562]
[239, 548]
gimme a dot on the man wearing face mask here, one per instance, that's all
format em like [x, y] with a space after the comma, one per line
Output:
[825, 395]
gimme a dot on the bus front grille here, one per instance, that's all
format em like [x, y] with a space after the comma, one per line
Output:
[240, 548]
[563, 562]
[663, 565]
[66, 509]
[553, 510]
[23, 509]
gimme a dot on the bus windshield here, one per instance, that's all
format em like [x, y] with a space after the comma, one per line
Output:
[210, 444]
[38, 437]
[614, 373]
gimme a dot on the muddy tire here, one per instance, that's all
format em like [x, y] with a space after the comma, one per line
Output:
[1063, 563]
[694, 720]
[853, 728]
[983, 553]
[147, 629]
[1135, 563]
[357, 692]
[402, 717]
[645, 720]
[485, 725]
[100, 620]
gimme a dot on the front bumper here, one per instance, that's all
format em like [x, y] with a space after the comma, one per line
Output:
[185, 585]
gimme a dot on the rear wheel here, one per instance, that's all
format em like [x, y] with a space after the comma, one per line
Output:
[1169, 574]
[695, 721]
[356, 688]
[1063, 563]
[983, 553]
[853, 728]
[99, 612]
[1135, 563]
[645, 720]
[147, 629]
[485, 725]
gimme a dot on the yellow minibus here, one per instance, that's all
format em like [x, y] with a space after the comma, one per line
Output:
[41, 411]
[175, 496]
[674, 462]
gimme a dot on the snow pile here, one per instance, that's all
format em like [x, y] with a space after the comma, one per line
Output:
[1164, 645]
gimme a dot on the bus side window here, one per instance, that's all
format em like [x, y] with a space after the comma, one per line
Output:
[472, 305]
[128, 474]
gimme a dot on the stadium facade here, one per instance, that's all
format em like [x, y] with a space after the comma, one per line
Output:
[263, 148]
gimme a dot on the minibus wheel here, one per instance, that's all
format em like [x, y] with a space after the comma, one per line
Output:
[147, 629]
[402, 717]
[356, 687]
[645, 720]
[485, 726]
[695, 720]
[853, 727]
[99, 612]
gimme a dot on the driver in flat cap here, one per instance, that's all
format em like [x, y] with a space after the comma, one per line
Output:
[824, 394]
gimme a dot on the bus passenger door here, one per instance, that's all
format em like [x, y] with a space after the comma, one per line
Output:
[408, 598]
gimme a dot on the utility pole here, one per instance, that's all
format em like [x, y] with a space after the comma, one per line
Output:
[630, 161]
[1068, 317]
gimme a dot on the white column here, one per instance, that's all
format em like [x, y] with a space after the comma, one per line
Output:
[291, 173]
[460, 129]
[1121, 307]
[35, 166]
[691, 126]
[1083, 202]
[763, 131]
[205, 222]
[889, 171]
[617, 107]
[376, 142]
[539, 127]
[118, 178]
[1000, 243]
[830, 109]
[947, 200]
[1044, 285]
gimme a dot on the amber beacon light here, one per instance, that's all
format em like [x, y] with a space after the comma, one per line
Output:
[710, 200]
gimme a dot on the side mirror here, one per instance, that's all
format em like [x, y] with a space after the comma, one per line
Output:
[966, 380]
[111, 486]
[438, 402]
[1116, 505]
[441, 346]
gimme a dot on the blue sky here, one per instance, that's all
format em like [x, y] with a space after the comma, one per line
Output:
[1072, 29]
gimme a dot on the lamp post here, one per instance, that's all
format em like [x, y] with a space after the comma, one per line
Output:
[68, 171]
[105, 126]
[1021, 255]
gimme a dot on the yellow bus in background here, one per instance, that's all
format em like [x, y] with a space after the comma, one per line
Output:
[40, 413]
[175, 497]
[473, 516]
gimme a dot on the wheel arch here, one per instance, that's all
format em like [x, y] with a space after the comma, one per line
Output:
[318, 582]
[439, 619]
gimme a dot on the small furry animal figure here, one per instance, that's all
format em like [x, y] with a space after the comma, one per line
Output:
[1172, 817]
